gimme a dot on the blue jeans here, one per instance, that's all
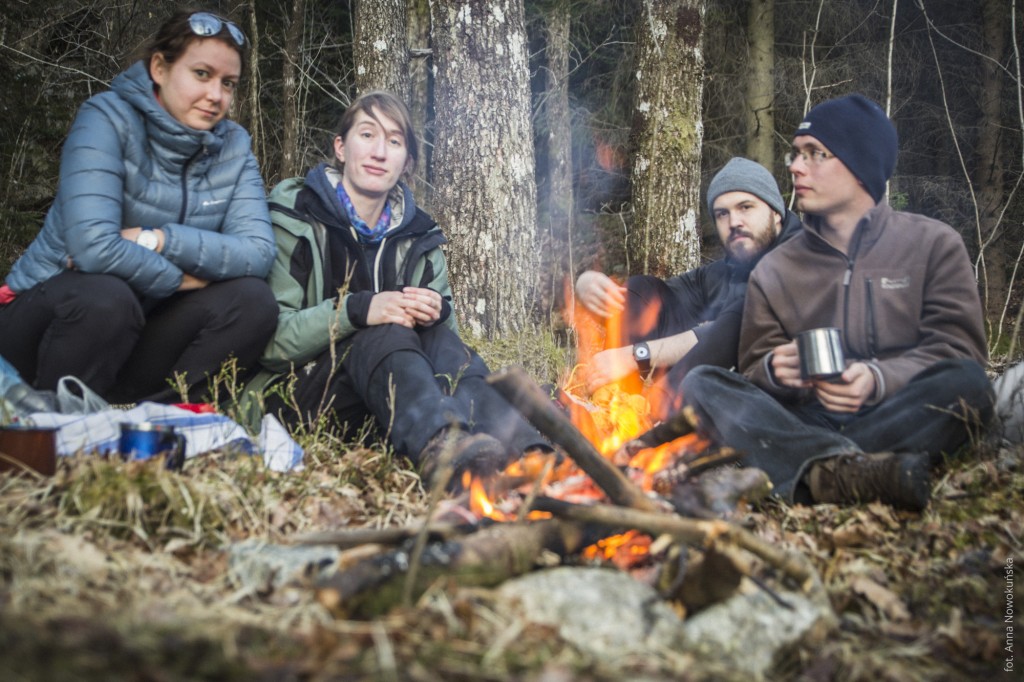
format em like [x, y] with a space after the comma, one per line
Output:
[933, 413]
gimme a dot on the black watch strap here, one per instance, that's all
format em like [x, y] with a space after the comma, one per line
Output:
[642, 357]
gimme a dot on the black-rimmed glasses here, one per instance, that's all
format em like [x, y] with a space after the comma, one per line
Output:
[205, 24]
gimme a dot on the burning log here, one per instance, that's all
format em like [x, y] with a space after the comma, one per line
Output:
[691, 531]
[682, 424]
[527, 397]
[486, 558]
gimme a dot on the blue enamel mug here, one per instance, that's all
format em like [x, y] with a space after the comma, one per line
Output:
[145, 440]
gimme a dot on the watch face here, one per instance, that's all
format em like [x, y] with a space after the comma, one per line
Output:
[642, 352]
[148, 239]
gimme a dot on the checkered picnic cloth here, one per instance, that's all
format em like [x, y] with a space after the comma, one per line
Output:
[100, 432]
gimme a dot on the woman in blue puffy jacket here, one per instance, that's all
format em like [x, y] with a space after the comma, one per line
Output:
[151, 263]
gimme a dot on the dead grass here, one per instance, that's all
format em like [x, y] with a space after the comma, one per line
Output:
[115, 571]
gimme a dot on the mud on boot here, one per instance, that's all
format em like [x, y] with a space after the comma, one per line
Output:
[901, 479]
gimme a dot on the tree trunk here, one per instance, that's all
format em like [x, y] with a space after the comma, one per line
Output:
[380, 52]
[485, 196]
[990, 173]
[559, 200]
[418, 40]
[251, 114]
[668, 132]
[290, 134]
[760, 113]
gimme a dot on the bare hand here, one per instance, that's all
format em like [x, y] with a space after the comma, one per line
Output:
[422, 305]
[856, 387]
[600, 294]
[388, 307]
[191, 282]
[785, 365]
[610, 365]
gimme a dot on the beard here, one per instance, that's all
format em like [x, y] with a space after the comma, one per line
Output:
[760, 241]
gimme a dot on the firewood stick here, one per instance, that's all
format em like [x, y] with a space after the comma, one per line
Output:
[691, 531]
[490, 556]
[683, 423]
[347, 539]
[527, 397]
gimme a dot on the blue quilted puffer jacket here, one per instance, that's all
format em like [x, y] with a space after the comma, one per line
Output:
[128, 163]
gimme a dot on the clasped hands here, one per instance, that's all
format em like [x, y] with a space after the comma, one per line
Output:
[409, 307]
[847, 393]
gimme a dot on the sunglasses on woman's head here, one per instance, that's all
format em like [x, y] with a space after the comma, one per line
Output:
[205, 24]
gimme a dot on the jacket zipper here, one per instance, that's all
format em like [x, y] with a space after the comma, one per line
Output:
[872, 330]
[847, 278]
[184, 184]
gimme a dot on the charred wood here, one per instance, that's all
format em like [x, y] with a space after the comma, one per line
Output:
[697, 532]
[489, 557]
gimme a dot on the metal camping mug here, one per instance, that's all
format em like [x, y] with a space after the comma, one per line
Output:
[145, 440]
[821, 353]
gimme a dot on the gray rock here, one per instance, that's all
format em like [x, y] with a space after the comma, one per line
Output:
[1009, 389]
[612, 618]
[604, 613]
[258, 566]
[750, 630]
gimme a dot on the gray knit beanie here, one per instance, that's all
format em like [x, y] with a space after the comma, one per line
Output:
[744, 175]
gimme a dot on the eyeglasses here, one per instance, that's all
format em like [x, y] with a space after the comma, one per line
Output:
[810, 156]
[205, 24]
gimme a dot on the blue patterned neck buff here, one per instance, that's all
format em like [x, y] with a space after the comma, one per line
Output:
[367, 235]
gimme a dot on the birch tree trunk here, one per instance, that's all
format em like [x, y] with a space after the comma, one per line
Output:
[380, 50]
[559, 199]
[292, 119]
[760, 112]
[485, 196]
[418, 40]
[667, 132]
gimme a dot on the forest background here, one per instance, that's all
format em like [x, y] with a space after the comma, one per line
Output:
[567, 134]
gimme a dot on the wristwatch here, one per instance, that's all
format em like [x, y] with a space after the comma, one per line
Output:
[147, 238]
[642, 357]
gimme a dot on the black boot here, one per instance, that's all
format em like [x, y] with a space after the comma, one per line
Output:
[479, 454]
[900, 479]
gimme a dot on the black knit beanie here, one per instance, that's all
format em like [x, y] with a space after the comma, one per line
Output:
[859, 133]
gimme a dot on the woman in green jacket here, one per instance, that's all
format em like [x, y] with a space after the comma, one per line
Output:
[366, 326]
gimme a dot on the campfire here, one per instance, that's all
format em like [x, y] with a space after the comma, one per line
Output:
[620, 489]
[579, 505]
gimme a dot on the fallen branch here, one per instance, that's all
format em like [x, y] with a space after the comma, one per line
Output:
[486, 558]
[347, 539]
[527, 397]
[691, 531]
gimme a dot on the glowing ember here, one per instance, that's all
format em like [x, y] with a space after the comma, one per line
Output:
[625, 550]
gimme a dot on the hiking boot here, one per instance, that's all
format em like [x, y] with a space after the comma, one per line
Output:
[479, 454]
[900, 479]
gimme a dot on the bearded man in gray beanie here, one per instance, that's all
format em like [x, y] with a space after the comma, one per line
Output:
[899, 288]
[698, 312]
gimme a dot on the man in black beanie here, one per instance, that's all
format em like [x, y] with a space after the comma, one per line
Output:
[692, 318]
[901, 291]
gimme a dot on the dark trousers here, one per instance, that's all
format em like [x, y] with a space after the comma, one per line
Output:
[934, 413]
[413, 382]
[95, 328]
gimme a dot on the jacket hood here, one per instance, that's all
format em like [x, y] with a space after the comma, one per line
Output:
[136, 87]
[322, 179]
